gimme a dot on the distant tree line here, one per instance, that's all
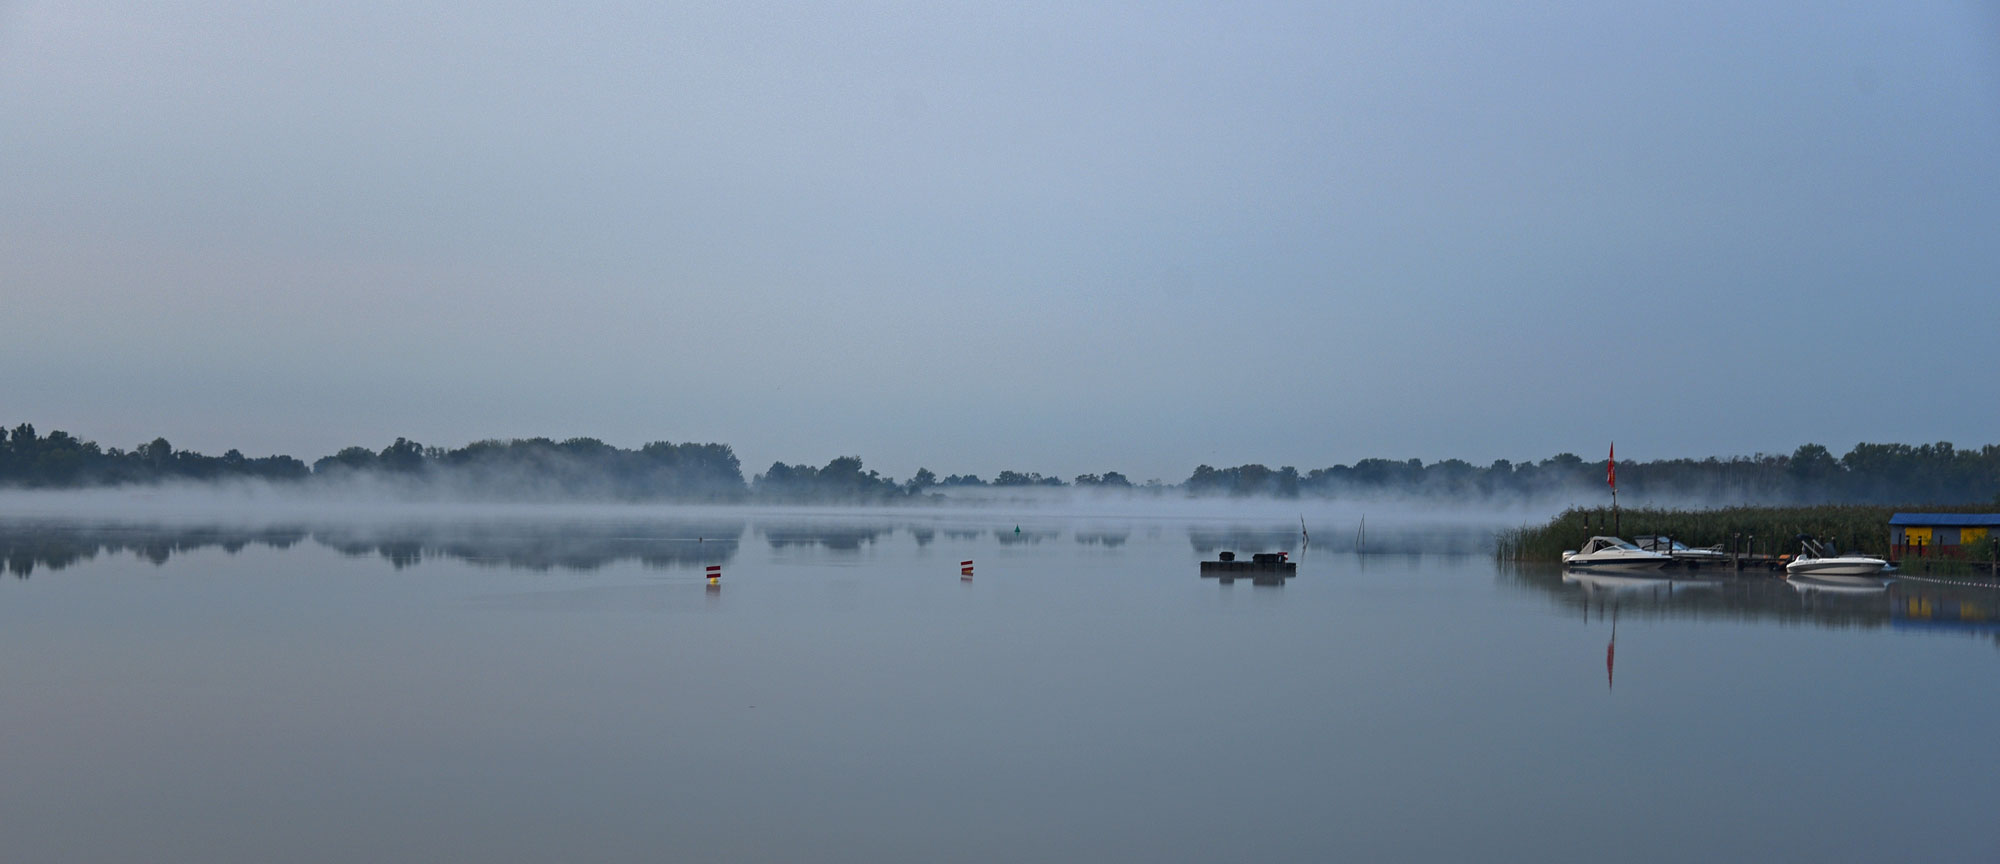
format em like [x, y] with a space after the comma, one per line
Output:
[526, 468]
[587, 468]
[60, 460]
[1869, 473]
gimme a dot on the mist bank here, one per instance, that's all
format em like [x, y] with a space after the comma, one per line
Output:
[684, 542]
[590, 470]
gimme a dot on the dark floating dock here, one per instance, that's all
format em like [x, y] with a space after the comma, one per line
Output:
[1260, 566]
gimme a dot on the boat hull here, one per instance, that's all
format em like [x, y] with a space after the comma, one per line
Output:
[1836, 567]
[1584, 562]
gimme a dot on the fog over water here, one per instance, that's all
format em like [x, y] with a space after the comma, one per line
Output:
[370, 500]
[257, 500]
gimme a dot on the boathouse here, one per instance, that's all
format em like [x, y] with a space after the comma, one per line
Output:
[1921, 534]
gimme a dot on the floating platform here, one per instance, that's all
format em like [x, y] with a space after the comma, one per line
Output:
[1261, 564]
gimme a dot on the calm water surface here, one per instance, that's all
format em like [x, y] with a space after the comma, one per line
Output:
[507, 690]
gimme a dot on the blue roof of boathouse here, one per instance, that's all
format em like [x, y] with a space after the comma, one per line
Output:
[1947, 519]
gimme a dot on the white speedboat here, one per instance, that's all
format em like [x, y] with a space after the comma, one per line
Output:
[1816, 563]
[1611, 553]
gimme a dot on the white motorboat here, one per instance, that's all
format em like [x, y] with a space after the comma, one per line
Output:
[1611, 553]
[1817, 563]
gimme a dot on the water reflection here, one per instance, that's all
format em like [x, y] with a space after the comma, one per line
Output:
[837, 538]
[1018, 535]
[1905, 603]
[1442, 539]
[1627, 580]
[543, 546]
[26, 545]
[1244, 540]
[578, 544]
[1261, 580]
[1611, 651]
[1108, 539]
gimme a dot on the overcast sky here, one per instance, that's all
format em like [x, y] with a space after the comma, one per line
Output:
[1051, 237]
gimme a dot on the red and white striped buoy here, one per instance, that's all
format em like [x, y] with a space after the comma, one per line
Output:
[714, 574]
[965, 569]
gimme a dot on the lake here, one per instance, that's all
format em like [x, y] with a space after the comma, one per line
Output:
[509, 688]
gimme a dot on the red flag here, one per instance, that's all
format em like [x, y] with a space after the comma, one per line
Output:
[1611, 467]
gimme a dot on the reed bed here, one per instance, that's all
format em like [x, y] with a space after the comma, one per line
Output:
[1769, 530]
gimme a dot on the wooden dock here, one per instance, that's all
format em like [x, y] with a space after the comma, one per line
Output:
[1739, 562]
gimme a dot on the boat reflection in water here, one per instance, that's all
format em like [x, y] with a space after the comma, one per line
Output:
[1612, 587]
[1600, 579]
[1965, 609]
[1838, 584]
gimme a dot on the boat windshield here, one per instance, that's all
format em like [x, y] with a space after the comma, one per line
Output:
[1622, 545]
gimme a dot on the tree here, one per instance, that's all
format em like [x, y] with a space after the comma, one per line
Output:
[158, 454]
[404, 457]
[348, 459]
[1812, 465]
[1031, 478]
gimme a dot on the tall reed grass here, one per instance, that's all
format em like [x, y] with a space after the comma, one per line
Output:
[1768, 530]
